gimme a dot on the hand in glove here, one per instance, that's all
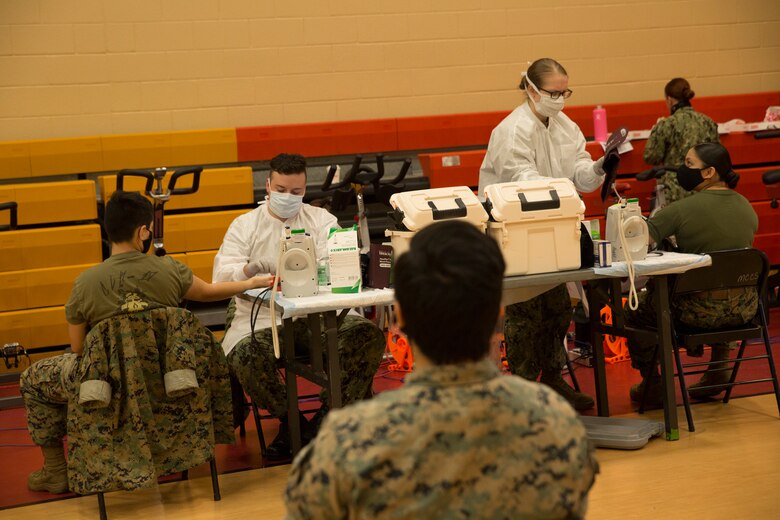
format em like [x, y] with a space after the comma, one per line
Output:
[263, 266]
[598, 167]
[606, 164]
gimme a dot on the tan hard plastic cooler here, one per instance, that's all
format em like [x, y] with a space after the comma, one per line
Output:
[537, 224]
[414, 210]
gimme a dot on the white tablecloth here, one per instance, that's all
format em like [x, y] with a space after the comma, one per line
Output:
[517, 288]
[658, 262]
[328, 301]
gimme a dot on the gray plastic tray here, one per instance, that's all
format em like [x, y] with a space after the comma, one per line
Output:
[621, 434]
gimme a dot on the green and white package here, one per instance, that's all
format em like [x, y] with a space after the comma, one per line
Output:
[344, 260]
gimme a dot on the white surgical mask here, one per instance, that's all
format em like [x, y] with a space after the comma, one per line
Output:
[284, 205]
[546, 106]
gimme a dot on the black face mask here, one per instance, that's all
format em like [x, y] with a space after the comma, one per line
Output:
[146, 244]
[689, 178]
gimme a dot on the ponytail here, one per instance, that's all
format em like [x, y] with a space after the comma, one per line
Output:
[716, 155]
[679, 89]
[523, 83]
[731, 179]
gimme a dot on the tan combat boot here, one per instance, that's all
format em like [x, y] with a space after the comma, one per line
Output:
[53, 477]
[655, 391]
[578, 400]
[712, 376]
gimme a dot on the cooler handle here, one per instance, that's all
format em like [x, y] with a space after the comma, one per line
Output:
[441, 214]
[539, 205]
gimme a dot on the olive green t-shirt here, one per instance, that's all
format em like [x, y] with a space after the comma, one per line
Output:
[124, 283]
[709, 220]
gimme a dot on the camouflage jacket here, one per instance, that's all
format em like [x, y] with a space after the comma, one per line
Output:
[672, 137]
[670, 141]
[143, 433]
[456, 441]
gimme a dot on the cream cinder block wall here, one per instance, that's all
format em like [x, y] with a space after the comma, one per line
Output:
[85, 67]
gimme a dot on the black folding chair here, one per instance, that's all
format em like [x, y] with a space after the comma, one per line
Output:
[739, 269]
[241, 403]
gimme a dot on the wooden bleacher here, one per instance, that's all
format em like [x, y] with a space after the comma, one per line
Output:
[50, 202]
[462, 169]
[58, 237]
[751, 156]
[80, 155]
[39, 264]
[191, 236]
[219, 187]
[196, 223]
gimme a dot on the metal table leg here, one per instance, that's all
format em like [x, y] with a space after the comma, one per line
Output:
[663, 314]
[288, 359]
[597, 342]
[334, 367]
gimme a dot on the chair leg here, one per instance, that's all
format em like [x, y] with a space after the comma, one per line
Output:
[570, 368]
[735, 369]
[773, 371]
[215, 479]
[102, 506]
[684, 389]
[244, 404]
[259, 426]
[770, 358]
[237, 395]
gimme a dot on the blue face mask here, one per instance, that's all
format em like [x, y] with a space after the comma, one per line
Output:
[284, 205]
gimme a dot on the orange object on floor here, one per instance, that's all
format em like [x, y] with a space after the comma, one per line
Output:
[615, 347]
[399, 348]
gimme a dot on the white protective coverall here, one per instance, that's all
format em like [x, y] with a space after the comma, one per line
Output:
[256, 235]
[522, 148]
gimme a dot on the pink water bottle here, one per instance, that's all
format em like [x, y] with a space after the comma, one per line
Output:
[600, 124]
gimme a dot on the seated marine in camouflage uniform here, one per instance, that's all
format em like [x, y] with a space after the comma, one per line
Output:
[672, 137]
[128, 281]
[459, 439]
[251, 246]
[714, 218]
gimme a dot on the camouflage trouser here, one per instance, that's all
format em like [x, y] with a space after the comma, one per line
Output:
[672, 189]
[360, 344]
[691, 310]
[534, 332]
[45, 387]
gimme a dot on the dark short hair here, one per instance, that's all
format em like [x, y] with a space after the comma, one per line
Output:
[679, 89]
[449, 288]
[126, 211]
[539, 70]
[716, 155]
[288, 164]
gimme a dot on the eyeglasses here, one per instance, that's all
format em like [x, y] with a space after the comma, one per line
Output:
[556, 94]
